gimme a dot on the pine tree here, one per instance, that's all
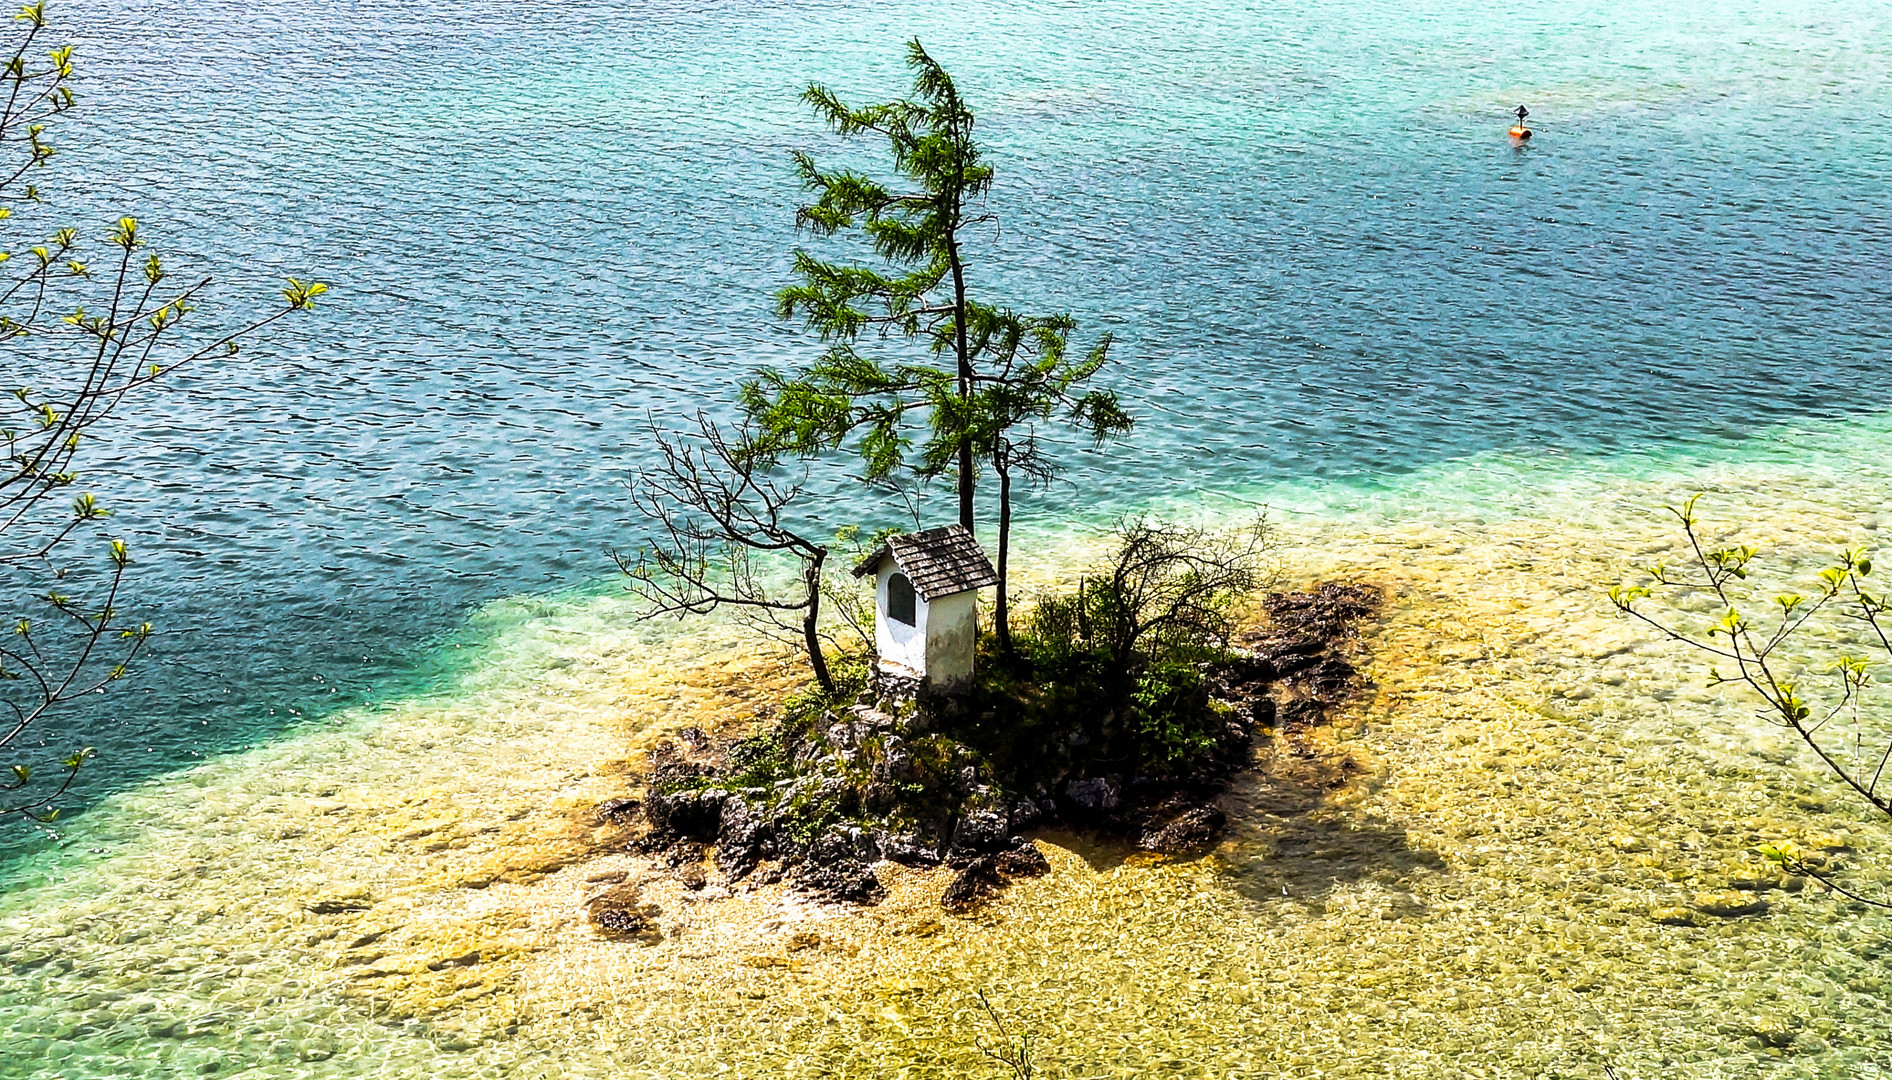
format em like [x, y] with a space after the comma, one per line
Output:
[991, 372]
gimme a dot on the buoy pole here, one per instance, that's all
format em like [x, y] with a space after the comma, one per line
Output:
[1518, 130]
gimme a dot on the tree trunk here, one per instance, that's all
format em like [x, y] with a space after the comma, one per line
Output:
[967, 467]
[811, 640]
[1002, 622]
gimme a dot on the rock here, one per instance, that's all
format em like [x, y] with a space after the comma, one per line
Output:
[693, 877]
[340, 901]
[846, 880]
[1331, 677]
[1023, 859]
[687, 815]
[1728, 904]
[1676, 916]
[467, 959]
[896, 764]
[626, 924]
[617, 811]
[1291, 658]
[871, 720]
[1095, 796]
[1778, 1032]
[1300, 714]
[685, 854]
[745, 836]
[843, 796]
[1808, 1043]
[1186, 830]
[1261, 713]
[878, 797]
[984, 876]
[620, 913]
[908, 849]
[1250, 672]
[976, 884]
[832, 867]
[982, 832]
[859, 722]
[1025, 814]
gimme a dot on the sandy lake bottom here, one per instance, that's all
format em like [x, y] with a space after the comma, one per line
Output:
[1519, 875]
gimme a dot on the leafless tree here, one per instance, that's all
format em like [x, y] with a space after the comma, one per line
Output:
[720, 514]
[1172, 582]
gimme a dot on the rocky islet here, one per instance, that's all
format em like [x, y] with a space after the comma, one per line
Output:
[883, 779]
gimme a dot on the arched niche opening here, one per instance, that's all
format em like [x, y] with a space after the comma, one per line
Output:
[900, 599]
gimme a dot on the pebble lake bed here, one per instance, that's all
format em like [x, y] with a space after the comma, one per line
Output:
[344, 816]
[1538, 864]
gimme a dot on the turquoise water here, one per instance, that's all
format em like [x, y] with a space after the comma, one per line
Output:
[1336, 288]
[1323, 262]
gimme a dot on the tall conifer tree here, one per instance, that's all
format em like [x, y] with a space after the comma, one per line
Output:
[993, 369]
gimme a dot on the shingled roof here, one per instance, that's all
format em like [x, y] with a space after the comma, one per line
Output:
[939, 562]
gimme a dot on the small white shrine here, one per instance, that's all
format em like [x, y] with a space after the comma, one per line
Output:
[926, 605]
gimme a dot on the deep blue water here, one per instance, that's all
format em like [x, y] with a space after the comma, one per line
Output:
[1322, 260]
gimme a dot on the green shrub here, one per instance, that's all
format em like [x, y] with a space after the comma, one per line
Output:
[1176, 723]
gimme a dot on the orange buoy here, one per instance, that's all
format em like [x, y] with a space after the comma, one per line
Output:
[1520, 132]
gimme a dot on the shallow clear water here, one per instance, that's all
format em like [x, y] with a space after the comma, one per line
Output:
[1462, 368]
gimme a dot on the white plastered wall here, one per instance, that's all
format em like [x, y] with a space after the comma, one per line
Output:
[952, 639]
[939, 648]
[902, 648]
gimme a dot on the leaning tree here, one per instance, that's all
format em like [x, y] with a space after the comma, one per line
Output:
[84, 327]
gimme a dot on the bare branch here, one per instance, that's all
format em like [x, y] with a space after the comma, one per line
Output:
[717, 507]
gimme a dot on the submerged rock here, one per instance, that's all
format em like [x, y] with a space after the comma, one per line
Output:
[985, 876]
[617, 811]
[1023, 859]
[1728, 904]
[1184, 829]
[1671, 915]
[620, 913]
[341, 901]
[976, 884]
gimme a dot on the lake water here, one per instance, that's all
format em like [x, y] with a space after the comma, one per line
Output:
[1469, 370]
